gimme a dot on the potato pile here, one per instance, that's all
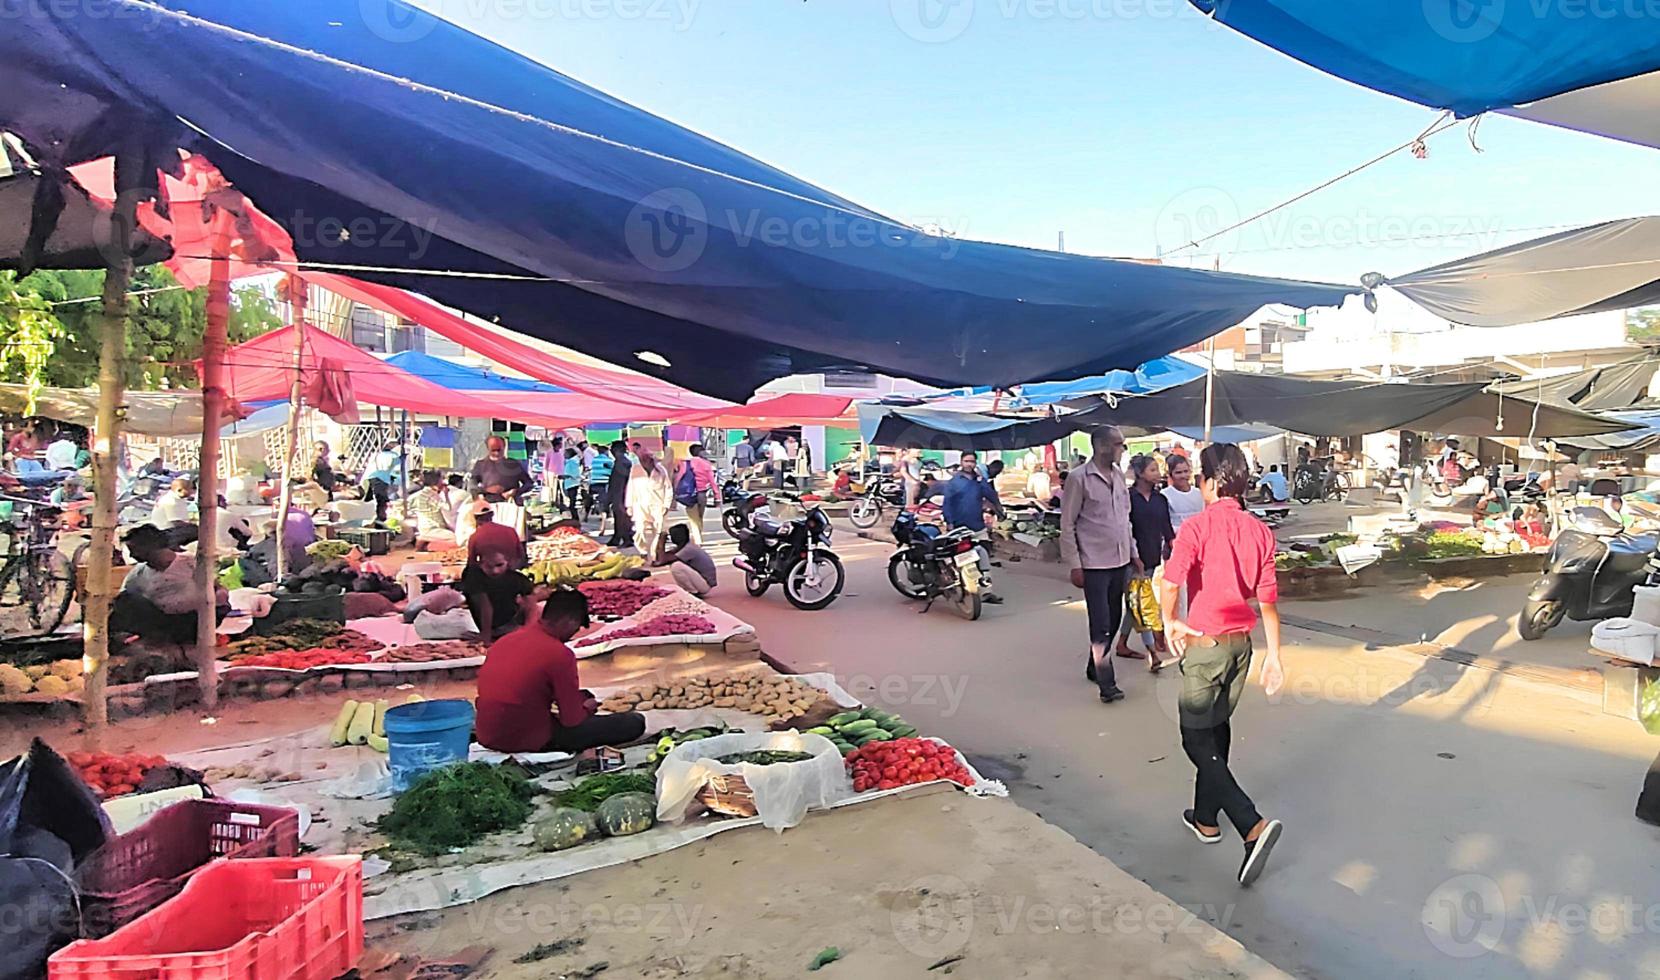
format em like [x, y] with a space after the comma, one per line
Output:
[57, 679]
[769, 695]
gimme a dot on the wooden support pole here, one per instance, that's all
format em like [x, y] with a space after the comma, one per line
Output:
[297, 304]
[106, 442]
[214, 342]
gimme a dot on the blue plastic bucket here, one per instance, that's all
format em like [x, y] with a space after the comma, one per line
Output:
[426, 735]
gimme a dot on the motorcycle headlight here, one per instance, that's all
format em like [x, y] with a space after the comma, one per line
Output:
[1578, 563]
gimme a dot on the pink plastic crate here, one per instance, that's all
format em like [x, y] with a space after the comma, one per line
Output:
[136, 872]
[259, 919]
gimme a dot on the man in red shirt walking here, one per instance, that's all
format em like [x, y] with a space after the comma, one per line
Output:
[1225, 557]
[530, 674]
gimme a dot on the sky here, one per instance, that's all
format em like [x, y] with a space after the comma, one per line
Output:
[1133, 126]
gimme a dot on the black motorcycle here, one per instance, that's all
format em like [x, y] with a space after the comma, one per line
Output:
[1319, 479]
[876, 496]
[741, 508]
[1591, 573]
[795, 554]
[930, 565]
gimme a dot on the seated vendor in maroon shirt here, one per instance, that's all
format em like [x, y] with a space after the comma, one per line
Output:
[529, 698]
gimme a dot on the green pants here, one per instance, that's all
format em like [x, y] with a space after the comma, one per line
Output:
[1213, 678]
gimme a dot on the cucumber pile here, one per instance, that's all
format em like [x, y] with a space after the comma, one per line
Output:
[852, 729]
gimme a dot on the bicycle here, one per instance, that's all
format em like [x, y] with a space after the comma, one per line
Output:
[37, 580]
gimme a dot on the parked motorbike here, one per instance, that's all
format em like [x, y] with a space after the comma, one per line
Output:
[795, 554]
[741, 509]
[1591, 573]
[930, 565]
[875, 497]
[1319, 480]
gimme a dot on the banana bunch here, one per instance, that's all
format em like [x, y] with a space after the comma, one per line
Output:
[568, 573]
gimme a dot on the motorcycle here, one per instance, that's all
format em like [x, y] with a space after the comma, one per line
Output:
[795, 554]
[1591, 573]
[740, 509]
[1319, 480]
[875, 496]
[930, 565]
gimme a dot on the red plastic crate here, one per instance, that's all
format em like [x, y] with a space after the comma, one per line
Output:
[136, 872]
[259, 919]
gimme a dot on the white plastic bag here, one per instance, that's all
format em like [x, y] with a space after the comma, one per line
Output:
[453, 625]
[783, 793]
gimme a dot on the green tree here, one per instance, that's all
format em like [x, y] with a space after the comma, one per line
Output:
[1643, 325]
[164, 331]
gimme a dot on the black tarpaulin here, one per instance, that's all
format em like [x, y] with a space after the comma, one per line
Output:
[1347, 408]
[1601, 389]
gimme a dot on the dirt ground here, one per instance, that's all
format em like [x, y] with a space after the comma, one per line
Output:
[898, 886]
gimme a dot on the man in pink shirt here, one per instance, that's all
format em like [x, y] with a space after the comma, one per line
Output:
[1096, 544]
[1225, 558]
[703, 486]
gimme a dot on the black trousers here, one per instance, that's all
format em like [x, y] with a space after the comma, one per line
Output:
[1648, 804]
[1213, 679]
[597, 730]
[381, 492]
[1104, 600]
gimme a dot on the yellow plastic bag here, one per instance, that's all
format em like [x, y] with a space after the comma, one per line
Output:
[1144, 606]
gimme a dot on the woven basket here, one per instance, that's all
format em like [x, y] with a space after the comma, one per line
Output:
[729, 795]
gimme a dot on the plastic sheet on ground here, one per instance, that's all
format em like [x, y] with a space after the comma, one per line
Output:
[441, 888]
[783, 793]
[726, 627]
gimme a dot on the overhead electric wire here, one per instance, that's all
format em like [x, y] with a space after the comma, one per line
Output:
[1444, 122]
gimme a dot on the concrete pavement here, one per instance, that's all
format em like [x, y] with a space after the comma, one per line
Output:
[1442, 820]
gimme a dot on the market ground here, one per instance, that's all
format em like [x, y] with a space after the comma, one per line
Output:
[1441, 820]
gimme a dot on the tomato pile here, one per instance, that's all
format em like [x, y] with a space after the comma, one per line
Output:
[660, 626]
[904, 762]
[302, 659]
[619, 598]
[113, 775]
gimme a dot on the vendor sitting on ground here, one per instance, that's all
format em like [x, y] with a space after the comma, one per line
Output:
[175, 507]
[158, 600]
[843, 490]
[498, 595]
[434, 518]
[691, 566]
[530, 698]
[1272, 487]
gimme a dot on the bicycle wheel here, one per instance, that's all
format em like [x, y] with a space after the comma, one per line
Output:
[16, 616]
[48, 582]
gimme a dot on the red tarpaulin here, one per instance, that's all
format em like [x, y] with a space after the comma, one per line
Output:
[262, 370]
[635, 396]
[604, 394]
[770, 413]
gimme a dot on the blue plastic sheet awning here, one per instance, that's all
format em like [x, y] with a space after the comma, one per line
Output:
[1591, 67]
[557, 211]
[463, 377]
[1164, 372]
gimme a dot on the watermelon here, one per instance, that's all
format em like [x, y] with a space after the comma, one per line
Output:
[564, 827]
[626, 813]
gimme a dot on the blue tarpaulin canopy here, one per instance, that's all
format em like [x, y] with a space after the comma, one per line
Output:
[461, 377]
[619, 234]
[1594, 68]
[1164, 372]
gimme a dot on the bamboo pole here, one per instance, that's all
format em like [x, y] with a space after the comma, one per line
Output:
[1210, 386]
[112, 330]
[297, 304]
[214, 342]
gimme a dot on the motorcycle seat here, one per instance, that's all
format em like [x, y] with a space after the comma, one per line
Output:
[766, 527]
